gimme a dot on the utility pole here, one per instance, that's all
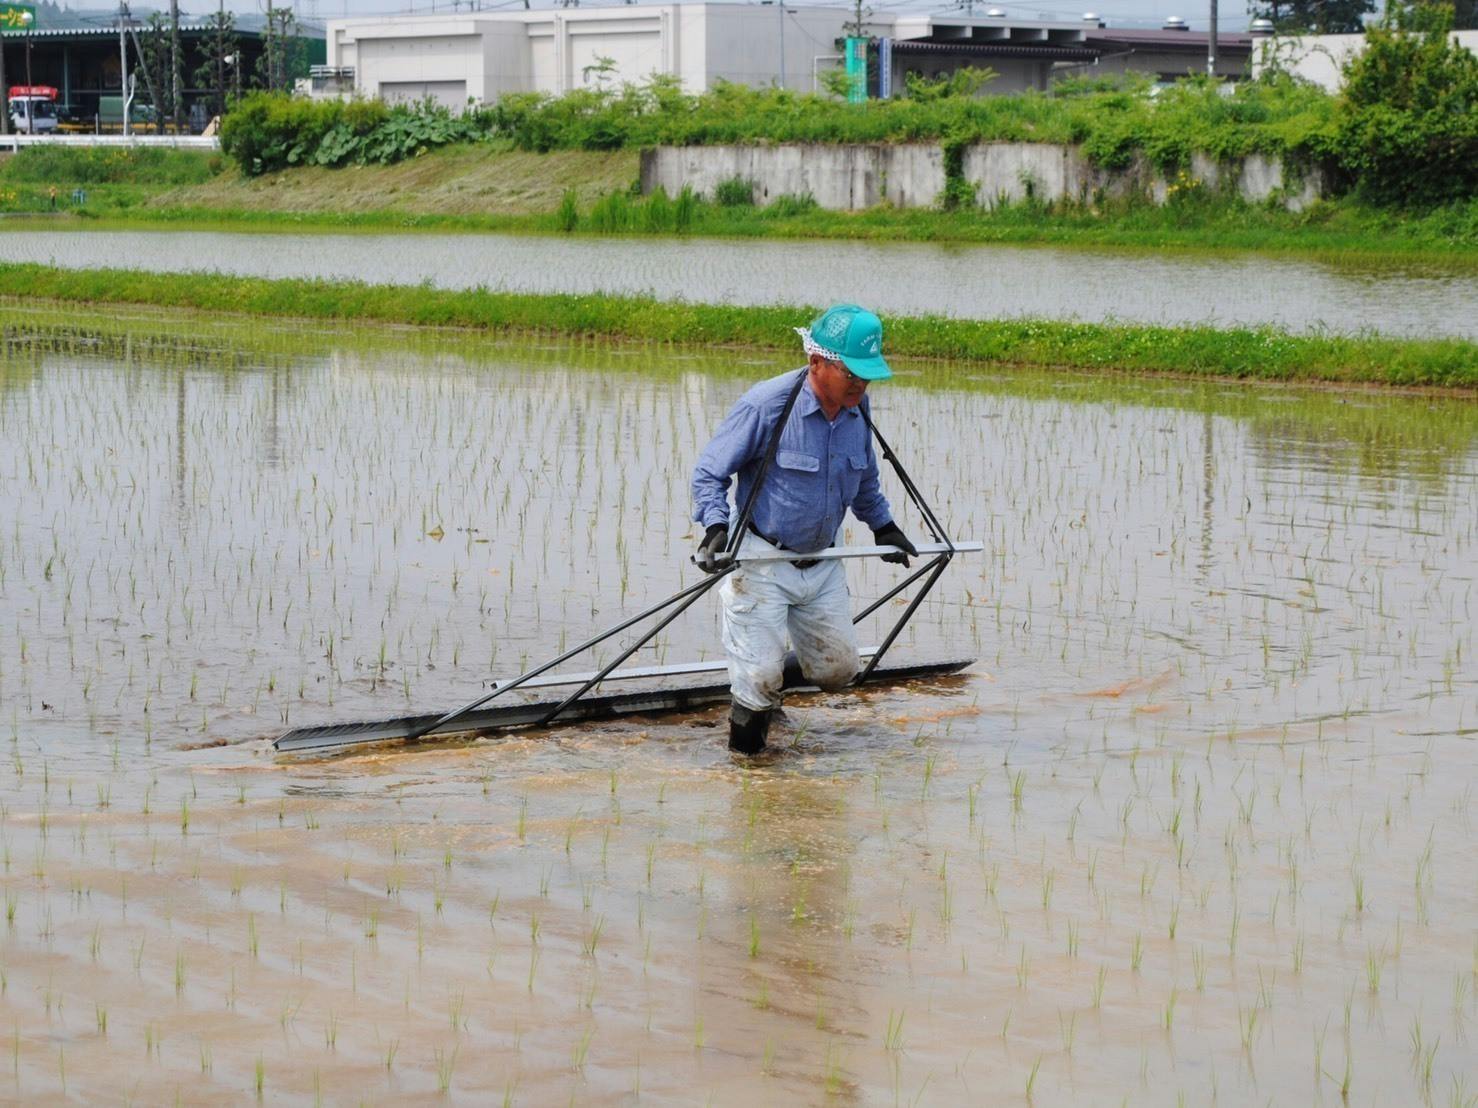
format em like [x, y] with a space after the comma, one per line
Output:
[123, 63]
[29, 19]
[131, 28]
[1211, 45]
[780, 7]
[220, 53]
[271, 84]
[4, 91]
[176, 79]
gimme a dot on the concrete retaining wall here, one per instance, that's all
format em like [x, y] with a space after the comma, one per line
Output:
[847, 178]
[843, 178]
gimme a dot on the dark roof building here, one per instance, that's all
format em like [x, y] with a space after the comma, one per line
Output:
[1029, 54]
[82, 53]
[1169, 54]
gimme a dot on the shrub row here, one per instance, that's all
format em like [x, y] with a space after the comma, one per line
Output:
[1405, 129]
[94, 165]
[268, 131]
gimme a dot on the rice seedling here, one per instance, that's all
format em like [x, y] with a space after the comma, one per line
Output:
[893, 1035]
[1247, 1023]
[592, 940]
[446, 1062]
[582, 1047]
[1067, 1030]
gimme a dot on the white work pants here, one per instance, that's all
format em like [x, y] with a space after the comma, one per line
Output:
[762, 602]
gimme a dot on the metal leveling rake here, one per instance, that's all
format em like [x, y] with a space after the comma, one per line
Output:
[482, 715]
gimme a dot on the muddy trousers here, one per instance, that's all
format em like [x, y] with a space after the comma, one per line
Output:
[762, 604]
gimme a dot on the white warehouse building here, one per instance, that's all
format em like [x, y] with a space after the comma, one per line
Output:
[480, 55]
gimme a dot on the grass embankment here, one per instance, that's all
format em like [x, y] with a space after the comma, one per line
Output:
[114, 179]
[1265, 354]
[482, 188]
[467, 183]
[467, 187]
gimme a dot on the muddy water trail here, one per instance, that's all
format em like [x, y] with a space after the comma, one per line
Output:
[1196, 825]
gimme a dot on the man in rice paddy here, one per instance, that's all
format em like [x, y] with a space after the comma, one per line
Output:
[823, 465]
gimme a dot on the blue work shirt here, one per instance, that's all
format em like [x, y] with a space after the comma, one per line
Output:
[822, 468]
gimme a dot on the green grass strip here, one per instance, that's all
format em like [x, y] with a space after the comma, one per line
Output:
[1250, 353]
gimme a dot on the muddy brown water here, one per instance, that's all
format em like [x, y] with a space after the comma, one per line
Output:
[971, 282]
[1196, 826]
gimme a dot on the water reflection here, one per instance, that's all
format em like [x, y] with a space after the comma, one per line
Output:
[1213, 759]
[965, 281]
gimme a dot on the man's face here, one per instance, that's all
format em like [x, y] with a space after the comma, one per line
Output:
[834, 384]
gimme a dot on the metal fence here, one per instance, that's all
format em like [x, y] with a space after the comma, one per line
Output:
[13, 143]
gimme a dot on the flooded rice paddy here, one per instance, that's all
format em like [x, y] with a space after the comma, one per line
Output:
[964, 281]
[1195, 828]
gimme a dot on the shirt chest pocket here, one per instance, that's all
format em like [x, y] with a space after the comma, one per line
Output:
[797, 462]
[798, 477]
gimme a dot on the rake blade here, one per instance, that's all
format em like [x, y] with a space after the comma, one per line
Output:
[609, 706]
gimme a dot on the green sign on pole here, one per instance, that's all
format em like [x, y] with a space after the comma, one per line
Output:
[17, 17]
[856, 70]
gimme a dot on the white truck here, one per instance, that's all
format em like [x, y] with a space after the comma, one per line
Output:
[33, 109]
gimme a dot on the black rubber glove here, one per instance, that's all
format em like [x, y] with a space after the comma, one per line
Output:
[714, 541]
[890, 535]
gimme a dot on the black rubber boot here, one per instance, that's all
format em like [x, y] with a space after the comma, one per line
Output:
[748, 729]
[791, 676]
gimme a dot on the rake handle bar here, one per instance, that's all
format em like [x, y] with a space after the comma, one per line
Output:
[697, 587]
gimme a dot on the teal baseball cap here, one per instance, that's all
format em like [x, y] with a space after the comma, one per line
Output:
[851, 335]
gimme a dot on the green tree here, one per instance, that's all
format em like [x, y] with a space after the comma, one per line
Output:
[1409, 110]
[285, 55]
[155, 51]
[218, 71]
[1323, 17]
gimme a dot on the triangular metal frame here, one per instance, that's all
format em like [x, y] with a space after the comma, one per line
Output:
[682, 600]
